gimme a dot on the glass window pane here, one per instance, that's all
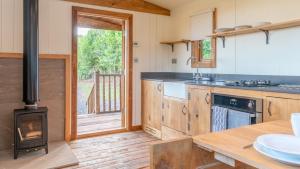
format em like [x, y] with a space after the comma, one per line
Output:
[206, 49]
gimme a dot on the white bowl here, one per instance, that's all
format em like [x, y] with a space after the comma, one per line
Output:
[283, 143]
[295, 119]
[281, 157]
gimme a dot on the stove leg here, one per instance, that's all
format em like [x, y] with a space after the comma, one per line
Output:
[16, 153]
[46, 149]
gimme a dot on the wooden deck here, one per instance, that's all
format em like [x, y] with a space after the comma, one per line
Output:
[93, 123]
[123, 151]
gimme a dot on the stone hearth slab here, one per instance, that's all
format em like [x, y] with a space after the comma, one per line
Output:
[60, 155]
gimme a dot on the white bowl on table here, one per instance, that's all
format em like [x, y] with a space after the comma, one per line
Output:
[295, 119]
[281, 147]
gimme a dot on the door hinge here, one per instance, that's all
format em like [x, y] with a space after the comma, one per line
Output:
[189, 127]
[163, 118]
[162, 105]
[189, 96]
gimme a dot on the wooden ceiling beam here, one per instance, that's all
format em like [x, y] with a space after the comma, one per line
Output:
[132, 5]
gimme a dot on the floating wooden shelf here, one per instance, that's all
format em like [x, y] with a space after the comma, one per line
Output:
[265, 29]
[172, 43]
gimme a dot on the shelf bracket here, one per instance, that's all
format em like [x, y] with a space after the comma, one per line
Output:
[267, 33]
[187, 46]
[223, 41]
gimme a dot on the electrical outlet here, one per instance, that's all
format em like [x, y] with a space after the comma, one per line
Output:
[136, 60]
[136, 44]
[174, 61]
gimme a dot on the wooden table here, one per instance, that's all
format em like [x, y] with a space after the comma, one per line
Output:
[236, 144]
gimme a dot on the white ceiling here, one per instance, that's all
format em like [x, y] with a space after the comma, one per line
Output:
[169, 4]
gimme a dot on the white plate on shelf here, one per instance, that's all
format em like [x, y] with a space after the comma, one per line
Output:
[282, 143]
[258, 24]
[242, 27]
[224, 30]
[286, 159]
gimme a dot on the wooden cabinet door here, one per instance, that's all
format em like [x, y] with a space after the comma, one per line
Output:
[279, 108]
[146, 97]
[175, 114]
[199, 116]
[152, 92]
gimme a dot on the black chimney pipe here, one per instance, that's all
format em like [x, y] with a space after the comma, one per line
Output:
[31, 53]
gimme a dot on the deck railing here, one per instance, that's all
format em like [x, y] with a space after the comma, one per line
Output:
[105, 95]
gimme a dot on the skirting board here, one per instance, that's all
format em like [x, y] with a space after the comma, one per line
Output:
[60, 155]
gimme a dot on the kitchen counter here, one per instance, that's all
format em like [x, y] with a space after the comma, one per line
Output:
[187, 80]
[277, 89]
[237, 144]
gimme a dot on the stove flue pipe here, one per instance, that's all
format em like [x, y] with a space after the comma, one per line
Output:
[31, 53]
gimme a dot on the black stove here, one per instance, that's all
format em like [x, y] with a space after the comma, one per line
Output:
[251, 83]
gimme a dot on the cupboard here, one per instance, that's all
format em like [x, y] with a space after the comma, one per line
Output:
[152, 93]
[199, 105]
[276, 108]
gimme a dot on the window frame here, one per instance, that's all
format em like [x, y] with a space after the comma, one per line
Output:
[197, 57]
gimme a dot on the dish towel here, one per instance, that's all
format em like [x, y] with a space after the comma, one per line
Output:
[219, 118]
[238, 119]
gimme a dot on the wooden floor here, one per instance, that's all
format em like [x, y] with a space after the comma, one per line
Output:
[118, 151]
[93, 123]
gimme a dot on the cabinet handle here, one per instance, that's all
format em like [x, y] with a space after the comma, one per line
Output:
[159, 87]
[206, 98]
[183, 110]
[269, 108]
[163, 118]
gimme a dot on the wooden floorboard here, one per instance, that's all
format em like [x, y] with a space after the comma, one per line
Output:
[118, 151]
[94, 123]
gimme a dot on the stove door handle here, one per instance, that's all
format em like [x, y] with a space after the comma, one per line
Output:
[269, 108]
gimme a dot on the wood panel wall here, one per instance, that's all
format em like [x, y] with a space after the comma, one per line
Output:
[52, 94]
[56, 35]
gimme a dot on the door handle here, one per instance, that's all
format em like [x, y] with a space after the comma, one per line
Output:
[269, 108]
[206, 98]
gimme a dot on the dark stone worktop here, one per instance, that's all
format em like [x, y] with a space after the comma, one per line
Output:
[288, 82]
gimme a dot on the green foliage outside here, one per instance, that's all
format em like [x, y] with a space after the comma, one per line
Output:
[206, 49]
[99, 50]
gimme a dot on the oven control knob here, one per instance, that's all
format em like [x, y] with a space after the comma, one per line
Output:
[251, 104]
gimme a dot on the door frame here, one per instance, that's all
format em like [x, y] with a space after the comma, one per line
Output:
[128, 63]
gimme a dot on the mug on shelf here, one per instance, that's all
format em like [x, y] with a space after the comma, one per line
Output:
[295, 118]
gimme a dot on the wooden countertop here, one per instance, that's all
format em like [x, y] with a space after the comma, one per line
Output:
[235, 143]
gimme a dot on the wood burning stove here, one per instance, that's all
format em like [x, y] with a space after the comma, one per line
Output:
[30, 123]
[30, 130]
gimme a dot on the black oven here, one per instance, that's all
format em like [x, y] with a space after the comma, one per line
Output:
[230, 111]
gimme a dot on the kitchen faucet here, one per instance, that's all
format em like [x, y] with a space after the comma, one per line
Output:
[189, 59]
[196, 76]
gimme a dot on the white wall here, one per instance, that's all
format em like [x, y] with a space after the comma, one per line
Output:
[247, 54]
[55, 37]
